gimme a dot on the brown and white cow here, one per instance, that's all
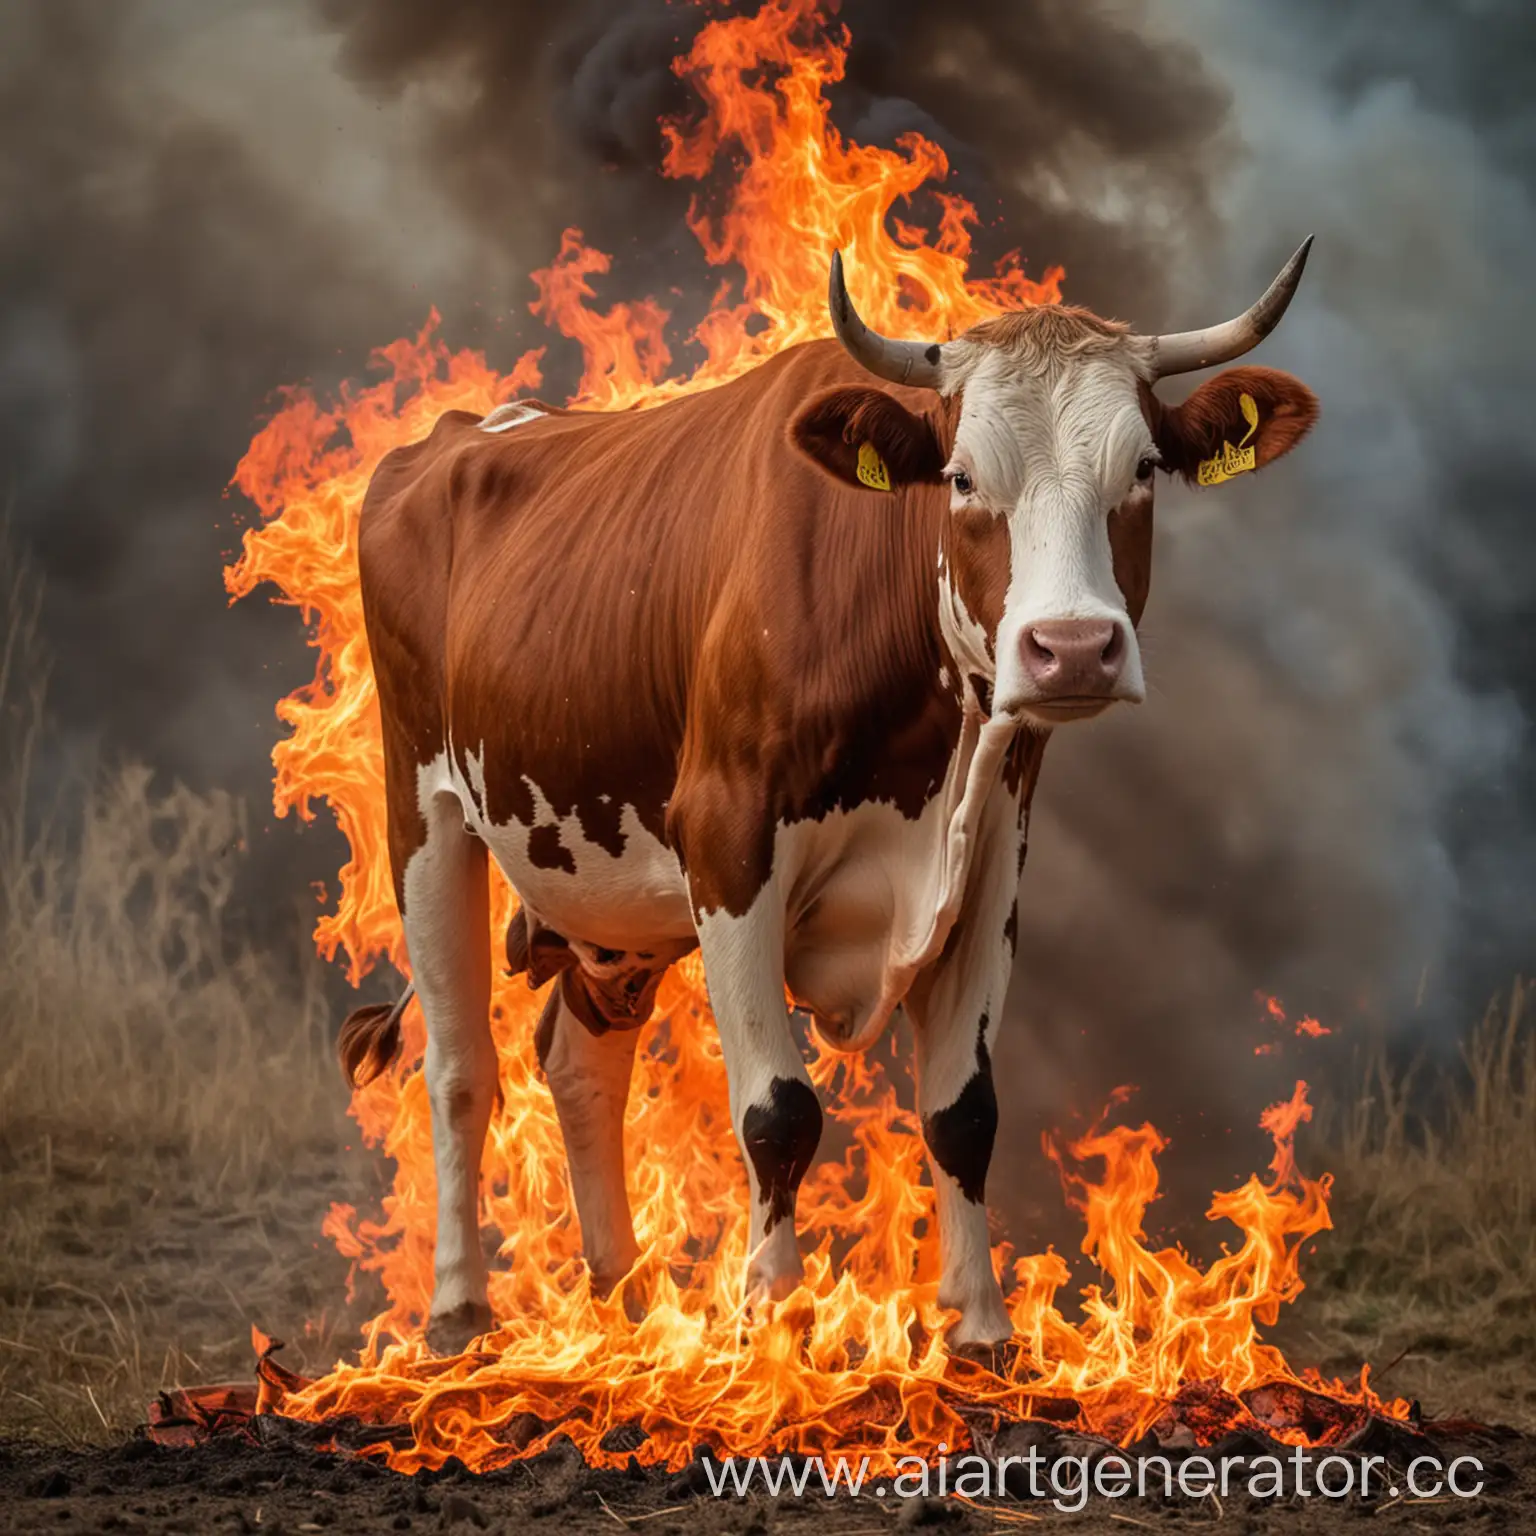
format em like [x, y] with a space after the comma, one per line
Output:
[769, 670]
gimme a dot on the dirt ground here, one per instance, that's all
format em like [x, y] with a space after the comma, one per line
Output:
[139, 1487]
[118, 1278]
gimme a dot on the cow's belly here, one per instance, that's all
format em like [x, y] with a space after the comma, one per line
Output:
[626, 902]
[859, 889]
[581, 889]
[856, 888]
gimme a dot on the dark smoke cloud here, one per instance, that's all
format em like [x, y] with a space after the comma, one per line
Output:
[547, 116]
[1329, 794]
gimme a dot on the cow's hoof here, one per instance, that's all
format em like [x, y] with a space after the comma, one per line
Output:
[452, 1332]
[634, 1297]
[997, 1356]
[775, 1270]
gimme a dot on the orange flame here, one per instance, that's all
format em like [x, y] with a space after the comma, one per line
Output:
[1275, 1011]
[855, 1359]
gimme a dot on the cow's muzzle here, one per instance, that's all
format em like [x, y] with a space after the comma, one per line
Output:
[1073, 668]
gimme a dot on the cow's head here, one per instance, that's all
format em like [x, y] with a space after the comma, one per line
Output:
[1046, 437]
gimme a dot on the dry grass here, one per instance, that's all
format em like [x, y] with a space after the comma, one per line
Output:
[171, 1117]
[171, 1129]
[1432, 1263]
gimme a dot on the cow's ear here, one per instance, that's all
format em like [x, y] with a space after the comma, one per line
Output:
[867, 438]
[1238, 421]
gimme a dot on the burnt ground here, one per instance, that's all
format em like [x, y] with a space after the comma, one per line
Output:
[234, 1486]
[133, 1263]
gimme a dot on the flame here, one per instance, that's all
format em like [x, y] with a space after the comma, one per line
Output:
[855, 1359]
[1307, 1027]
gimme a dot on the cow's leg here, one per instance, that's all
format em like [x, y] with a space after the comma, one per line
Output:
[589, 1078]
[958, 1105]
[447, 935]
[774, 1109]
[955, 1014]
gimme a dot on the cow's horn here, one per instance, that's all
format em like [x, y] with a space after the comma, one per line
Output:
[1187, 350]
[902, 362]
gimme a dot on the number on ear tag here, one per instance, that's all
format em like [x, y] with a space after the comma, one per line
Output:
[872, 471]
[1234, 461]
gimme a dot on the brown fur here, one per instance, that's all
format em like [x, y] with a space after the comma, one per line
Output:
[978, 557]
[1130, 547]
[1046, 335]
[668, 609]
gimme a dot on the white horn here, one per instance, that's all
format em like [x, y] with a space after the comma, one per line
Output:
[1188, 350]
[902, 362]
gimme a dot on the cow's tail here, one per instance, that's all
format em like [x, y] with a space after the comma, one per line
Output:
[370, 1038]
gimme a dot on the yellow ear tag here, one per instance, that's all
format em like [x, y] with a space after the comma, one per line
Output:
[872, 471]
[1233, 461]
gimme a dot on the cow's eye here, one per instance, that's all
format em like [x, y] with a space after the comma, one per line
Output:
[962, 482]
[1146, 469]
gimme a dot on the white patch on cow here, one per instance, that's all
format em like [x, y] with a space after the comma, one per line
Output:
[858, 889]
[993, 738]
[627, 902]
[513, 414]
[476, 784]
[963, 634]
[1052, 447]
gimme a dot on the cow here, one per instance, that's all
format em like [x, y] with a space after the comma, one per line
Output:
[768, 670]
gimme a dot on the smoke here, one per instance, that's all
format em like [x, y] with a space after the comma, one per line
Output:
[182, 233]
[1329, 794]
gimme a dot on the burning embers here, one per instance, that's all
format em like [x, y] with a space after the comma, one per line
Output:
[1165, 1353]
[1264, 1421]
[855, 1360]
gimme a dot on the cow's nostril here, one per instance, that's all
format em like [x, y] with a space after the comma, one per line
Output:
[1114, 647]
[1036, 647]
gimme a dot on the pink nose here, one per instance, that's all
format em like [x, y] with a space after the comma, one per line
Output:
[1074, 658]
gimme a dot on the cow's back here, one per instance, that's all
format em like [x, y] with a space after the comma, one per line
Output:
[548, 600]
